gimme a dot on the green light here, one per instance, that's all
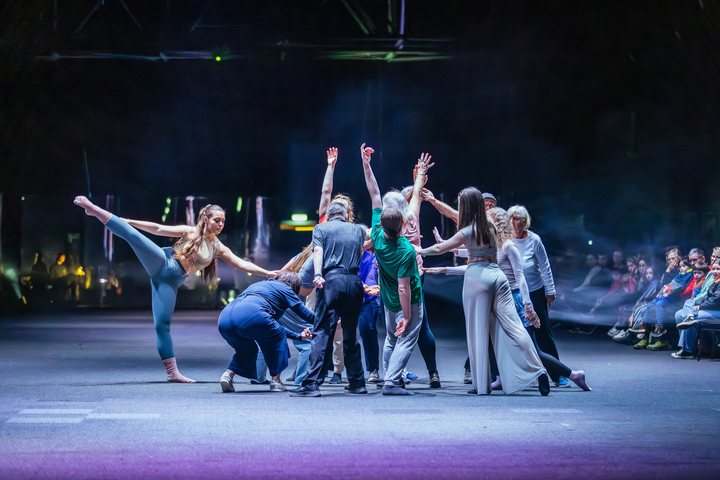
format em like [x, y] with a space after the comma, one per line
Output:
[239, 204]
[167, 210]
[163, 218]
[299, 217]
[589, 242]
[217, 59]
[168, 200]
[22, 198]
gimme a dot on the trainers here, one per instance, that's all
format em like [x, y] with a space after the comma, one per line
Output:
[435, 380]
[612, 332]
[276, 386]
[562, 382]
[407, 376]
[687, 323]
[682, 354]
[657, 333]
[336, 379]
[642, 344]
[306, 391]
[226, 382]
[356, 390]
[622, 336]
[467, 379]
[639, 328]
[374, 377]
[658, 345]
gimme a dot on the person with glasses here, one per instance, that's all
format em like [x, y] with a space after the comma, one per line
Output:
[197, 250]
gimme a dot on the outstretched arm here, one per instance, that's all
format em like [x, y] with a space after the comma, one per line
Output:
[443, 208]
[161, 230]
[327, 187]
[421, 169]
[455, 241]
[236, 262]
[370, 180]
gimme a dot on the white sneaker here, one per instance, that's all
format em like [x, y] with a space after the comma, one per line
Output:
[226, 382]
[612, 332]
[276, 386]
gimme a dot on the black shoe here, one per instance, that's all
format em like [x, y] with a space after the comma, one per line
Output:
[435, 380]
[472, 392]
[467, 378]
[306, 391]
[395, 390]
[356, 391]
[336, 379]
[544, 385]
[264, 382]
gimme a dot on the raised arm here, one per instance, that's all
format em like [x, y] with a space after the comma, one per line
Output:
[327, 187]
[421, 169]
[243, 265]
[370, 180]
[161, 230]
[443, 208]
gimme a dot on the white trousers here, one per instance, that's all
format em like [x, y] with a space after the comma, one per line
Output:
[490, 315]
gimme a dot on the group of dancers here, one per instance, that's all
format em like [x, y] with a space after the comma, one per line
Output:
[340, 274]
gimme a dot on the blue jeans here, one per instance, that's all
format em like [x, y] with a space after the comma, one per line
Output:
[367, 324]
[295, 324]
[689, 337]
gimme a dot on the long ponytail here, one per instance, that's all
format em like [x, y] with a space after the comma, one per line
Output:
[187, 249]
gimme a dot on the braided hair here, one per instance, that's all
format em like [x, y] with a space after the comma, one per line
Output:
[187, 247]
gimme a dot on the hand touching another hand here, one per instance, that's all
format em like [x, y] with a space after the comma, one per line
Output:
[306, 334]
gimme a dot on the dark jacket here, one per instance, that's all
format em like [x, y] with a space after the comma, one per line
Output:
[712, 300]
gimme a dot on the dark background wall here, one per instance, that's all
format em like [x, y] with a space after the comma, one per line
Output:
[602, 119]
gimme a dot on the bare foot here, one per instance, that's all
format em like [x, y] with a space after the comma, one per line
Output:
[497, 384]
[177, 377]
[91, 209]
[578, 378]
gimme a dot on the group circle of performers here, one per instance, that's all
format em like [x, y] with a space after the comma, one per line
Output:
[350, 276]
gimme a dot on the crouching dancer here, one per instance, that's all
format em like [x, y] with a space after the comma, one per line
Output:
[399, 278]
[251, 320]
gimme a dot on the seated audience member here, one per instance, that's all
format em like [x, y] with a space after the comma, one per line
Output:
[617, 261]
[591, 263]
[705, 306]
[622, 331]
[679, 289]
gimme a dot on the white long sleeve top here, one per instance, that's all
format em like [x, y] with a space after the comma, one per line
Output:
[535, 263]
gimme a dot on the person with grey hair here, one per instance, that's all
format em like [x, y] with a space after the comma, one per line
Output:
[337, 249]
[539, 277]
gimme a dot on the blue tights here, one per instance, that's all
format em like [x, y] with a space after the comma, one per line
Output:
[166, 275]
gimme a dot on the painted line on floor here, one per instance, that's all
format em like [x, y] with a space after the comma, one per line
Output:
[122, 416]
[545, 410]
[56, 411]
[45, 420]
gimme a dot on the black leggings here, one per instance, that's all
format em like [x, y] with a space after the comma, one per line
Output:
[543, 335]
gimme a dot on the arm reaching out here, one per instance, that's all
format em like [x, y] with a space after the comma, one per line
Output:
[327, 187]
[421, 169]
[443, 208]
[161, 230]
[243, 265]
[452, 243]
[370, 180]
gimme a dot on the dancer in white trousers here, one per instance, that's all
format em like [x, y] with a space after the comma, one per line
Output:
[485, 290]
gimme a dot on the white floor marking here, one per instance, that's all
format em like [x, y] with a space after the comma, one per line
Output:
[57, 411]
[122, 416]
[44, 420]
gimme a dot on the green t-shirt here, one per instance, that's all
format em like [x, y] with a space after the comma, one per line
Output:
[396, 259]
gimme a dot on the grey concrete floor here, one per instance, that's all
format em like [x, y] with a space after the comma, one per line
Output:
[84, 396]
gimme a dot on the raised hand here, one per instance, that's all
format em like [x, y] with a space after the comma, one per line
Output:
[438, 238]
[332, 155]
[366, 153]
[423, 164]
[427, 195]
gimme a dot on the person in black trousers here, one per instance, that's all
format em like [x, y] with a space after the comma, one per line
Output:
[337, 249]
